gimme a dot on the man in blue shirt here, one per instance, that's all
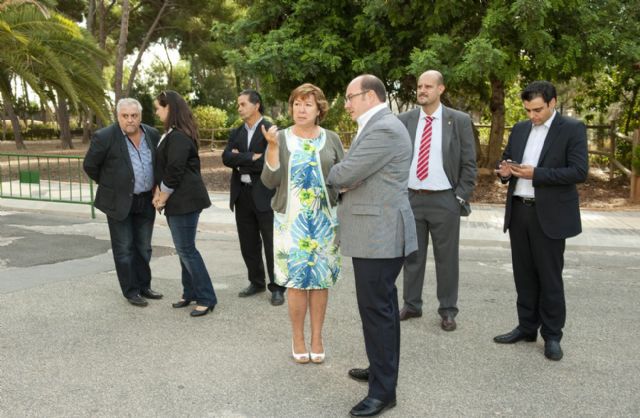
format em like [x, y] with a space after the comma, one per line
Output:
[120, 160]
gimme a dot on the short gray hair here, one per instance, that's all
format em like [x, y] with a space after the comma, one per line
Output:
[128, 101]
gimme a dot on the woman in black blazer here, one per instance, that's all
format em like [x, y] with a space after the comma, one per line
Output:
[182, 195]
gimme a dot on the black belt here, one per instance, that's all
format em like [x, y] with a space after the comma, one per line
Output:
[527, 201]
[143, 194]
[425, 191]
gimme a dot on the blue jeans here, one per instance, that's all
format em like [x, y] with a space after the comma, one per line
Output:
[131, 245]
[196, 282]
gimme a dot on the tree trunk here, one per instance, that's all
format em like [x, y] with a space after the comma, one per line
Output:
[87, 118]
[496, 137]
[632, 105]
[143, 47]
[91, 16]
[7, 100]
[43, 111]
[635, 167]
[122, 50]
[28, 117]
[476, 138]
[4, 126]
[102, 31]
[63, 121]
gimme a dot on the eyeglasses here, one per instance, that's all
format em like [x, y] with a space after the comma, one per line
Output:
[350, 97]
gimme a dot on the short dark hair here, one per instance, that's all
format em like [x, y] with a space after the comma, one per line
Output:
[254, 97]
[371, 82]
[180, 116]
[542, 88]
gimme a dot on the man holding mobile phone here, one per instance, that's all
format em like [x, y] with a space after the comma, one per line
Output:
[542, 210]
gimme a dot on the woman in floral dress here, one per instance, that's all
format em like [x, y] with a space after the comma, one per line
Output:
[307, 260]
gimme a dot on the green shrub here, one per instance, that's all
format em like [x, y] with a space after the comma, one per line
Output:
[211, 120]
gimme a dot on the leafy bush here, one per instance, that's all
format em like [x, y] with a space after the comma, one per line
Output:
[39, 133]
[340, 121]
[211, 122]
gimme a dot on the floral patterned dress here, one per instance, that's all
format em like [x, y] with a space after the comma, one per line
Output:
[306, 254]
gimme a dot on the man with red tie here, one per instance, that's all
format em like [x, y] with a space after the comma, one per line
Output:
[441, 181]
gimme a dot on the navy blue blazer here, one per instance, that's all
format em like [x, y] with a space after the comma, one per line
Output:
[563, 163]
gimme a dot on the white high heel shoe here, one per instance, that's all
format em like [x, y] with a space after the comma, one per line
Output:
[317, 358]
[302, 358]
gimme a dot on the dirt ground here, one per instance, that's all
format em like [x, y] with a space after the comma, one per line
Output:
[596, 193]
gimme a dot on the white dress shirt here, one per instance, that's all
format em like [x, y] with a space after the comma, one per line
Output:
[437, 178]
[246, 178]
[366, 116]
[531, 156]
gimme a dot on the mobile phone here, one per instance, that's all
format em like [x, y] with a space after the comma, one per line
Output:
[514, 164]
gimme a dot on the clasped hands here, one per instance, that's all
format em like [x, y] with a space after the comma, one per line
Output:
[507, 168]
[159, 199]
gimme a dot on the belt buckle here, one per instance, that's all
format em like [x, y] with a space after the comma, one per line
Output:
[528, 201]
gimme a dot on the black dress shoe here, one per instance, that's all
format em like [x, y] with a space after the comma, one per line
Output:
[150, 294]
[406, 313]
[181, 303]
[137, 300]
[515, 336]
[361, 375]
[552, 350]
[369, 407]
[277, 298]
[448, 323]
[251, 290]
[196, 312]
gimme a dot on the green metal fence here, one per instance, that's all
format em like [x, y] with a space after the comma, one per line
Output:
[50, 178]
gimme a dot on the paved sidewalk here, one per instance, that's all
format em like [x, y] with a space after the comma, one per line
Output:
[71, 346]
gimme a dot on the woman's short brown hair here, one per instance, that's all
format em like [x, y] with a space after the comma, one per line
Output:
[305, 90]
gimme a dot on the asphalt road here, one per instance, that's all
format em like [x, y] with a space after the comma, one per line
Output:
[70, 345]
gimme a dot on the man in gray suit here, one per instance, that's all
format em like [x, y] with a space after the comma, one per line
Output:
[377, 230]
[441, 181]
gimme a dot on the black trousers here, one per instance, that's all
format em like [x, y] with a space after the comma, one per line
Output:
[537, 269]
[255, 228]
[378, 305]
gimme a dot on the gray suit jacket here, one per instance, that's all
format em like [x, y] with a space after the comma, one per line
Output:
[375, 216]
[458, 149]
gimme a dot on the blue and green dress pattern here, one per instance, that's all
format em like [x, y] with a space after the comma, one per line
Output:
[306, 254]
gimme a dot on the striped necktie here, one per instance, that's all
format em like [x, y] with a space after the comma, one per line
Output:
[425, 147]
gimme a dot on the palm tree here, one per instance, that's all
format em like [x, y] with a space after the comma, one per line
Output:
[50, 54]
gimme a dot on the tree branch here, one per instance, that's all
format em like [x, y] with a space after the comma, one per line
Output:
[145, 44]
[122, 49]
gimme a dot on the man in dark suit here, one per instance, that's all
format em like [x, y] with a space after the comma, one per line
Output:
[441, 180]
[250, 198]
[545, 158]
[120, 160]
[377, 230]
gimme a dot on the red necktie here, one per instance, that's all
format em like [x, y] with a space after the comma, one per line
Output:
[425, 147]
